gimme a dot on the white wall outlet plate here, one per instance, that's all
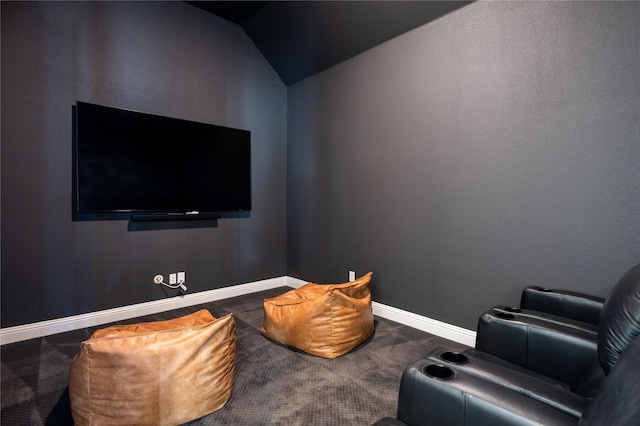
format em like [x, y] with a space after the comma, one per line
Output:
[172, 278]
[182, 277]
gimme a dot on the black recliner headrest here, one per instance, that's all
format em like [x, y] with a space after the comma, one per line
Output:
[618, 401]
[619, 319]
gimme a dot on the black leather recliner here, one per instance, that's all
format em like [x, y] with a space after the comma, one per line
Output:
[560, 351]
[540, 306]
[570, 313]
[438, 394]
[545, 318]
[557, 369]
[563, 303]
[533, 340]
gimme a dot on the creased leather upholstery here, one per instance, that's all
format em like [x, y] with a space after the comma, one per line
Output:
[326, 320]
[618, 402]
[158, 373]
[620, 318]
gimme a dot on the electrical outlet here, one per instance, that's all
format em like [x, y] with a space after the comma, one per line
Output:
[182, 277]
[172, 278]
[352, 275]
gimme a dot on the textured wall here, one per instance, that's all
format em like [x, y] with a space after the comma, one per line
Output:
[494, 148]
[165, 58]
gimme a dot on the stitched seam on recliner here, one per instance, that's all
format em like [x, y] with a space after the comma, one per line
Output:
[523, 391]
[465, 406]
[488, 398]
[526, 353]
[505, 384]
[557, 322]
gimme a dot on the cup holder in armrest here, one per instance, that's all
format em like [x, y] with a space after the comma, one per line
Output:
[438, 371]
[504, 316]
[510, 309]
[454, 357]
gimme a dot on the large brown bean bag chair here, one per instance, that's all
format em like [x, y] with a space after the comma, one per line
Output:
[326, 320]
[156, 373]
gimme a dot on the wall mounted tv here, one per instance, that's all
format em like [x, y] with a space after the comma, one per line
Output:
[152, 166]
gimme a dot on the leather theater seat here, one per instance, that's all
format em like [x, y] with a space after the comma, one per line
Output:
[536, 343]
[545, 307]
[526, 370]
[156, 373]
[326, 320]
[437, 393]
[533, 339]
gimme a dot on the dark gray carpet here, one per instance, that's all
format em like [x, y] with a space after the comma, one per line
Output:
[273, 384]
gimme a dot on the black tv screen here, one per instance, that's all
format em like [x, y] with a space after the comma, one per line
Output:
[128, 161]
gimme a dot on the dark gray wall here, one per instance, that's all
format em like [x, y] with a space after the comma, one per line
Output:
[166, 58]
[494, 148]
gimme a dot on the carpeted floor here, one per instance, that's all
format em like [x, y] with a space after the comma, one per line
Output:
[273, 385]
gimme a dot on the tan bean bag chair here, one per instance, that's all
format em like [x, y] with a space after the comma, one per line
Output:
[156, 373]
[326, 320]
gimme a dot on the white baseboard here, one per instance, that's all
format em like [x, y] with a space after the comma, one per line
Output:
[92, 319]
[435, 327]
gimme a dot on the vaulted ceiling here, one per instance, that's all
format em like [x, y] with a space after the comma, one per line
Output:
[302, 38]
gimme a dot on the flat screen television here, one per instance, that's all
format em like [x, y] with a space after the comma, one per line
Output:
[139, 163]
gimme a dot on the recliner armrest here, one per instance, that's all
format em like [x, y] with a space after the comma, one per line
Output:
[544, 389]
[433, 394]
[568, 304]
[552, 349]
[545, 318]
